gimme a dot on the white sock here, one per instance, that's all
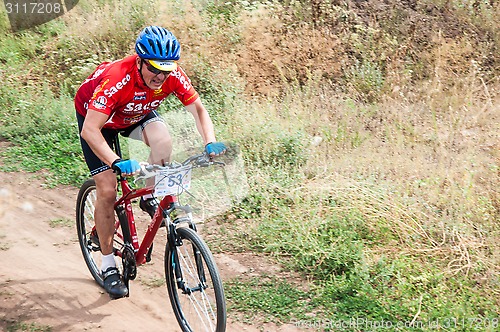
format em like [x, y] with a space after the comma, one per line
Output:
[107, 262]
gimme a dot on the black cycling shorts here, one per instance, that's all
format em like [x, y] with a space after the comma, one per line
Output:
[94, 164]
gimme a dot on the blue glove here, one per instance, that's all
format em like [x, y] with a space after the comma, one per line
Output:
[128, 166]
[215, 148]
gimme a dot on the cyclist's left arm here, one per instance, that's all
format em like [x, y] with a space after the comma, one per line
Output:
[181, 86]
[203, 122]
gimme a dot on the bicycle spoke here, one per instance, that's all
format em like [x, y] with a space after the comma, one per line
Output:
[89, 206]
[199, 304]
[190, 268]
[85, 225]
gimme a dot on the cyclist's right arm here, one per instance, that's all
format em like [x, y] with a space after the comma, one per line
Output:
[91, 133]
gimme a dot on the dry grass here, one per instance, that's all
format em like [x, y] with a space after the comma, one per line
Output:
[428, 169]
[424, 160]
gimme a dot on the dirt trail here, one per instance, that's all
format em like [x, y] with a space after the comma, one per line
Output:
[44, 279]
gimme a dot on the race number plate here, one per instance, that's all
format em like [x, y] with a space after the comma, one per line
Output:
[173, 182]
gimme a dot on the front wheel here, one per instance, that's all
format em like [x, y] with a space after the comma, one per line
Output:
[194, 285]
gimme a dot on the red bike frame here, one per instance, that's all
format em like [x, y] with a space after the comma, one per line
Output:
[128, 194]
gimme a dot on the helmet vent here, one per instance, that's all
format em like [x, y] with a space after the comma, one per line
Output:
[157, 43]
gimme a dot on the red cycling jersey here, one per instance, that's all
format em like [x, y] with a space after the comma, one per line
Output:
[117, 89]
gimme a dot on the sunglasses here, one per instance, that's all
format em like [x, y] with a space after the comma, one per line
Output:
[154, 70]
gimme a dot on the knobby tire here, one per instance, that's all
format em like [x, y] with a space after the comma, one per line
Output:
[84, 224]
[203, 310]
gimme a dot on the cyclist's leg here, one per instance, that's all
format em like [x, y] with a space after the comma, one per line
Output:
[104, 222]
[104, 211]
[105, 181]
[154, 133]
[157, 137]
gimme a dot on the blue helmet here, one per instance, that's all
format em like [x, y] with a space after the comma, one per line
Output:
[157, 43]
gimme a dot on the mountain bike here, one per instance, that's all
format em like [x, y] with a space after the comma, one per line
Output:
[193, 282]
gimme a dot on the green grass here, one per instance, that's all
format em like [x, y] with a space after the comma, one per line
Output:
[277, 299]
[388, 292]
[153, 282]
[357, 273]
[61, 222]
[42, 139]
[27, 327]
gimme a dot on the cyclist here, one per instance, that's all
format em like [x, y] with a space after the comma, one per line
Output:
[122, 97]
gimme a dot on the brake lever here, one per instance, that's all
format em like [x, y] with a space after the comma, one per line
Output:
[221, 163]
[147, 171]
[208, 162]
[211, 160]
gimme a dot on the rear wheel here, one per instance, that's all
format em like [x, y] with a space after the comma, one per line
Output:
[87, 234]
[198, 297]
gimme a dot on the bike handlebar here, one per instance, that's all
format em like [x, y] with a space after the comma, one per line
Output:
[199, 160]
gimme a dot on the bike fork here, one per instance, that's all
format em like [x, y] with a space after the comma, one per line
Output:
[179, 278]
[178, 273]
[173, 242]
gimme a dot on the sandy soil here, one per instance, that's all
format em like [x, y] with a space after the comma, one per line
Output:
[44, 279]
